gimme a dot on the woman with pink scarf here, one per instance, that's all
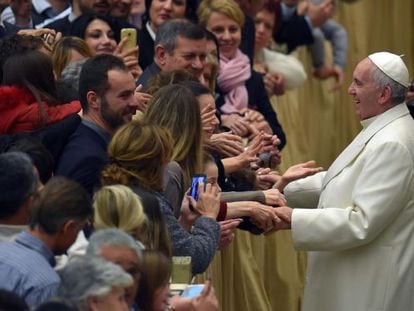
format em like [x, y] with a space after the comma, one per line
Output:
[243, 101]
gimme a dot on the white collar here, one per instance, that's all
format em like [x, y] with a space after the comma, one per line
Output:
[150, 31]
[367, 122]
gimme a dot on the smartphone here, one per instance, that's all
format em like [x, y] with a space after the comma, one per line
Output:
[192, 291]
[131, 34]
[195, 180]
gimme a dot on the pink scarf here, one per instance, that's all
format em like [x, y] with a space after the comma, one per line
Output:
[232, 78]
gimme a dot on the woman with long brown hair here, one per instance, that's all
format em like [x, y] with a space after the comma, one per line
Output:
[28, 98]
[139, 154]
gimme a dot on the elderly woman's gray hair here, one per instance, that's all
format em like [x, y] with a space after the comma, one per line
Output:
[90, 276]
[112, 237]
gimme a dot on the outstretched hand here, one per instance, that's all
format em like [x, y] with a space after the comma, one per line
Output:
[227, 228]
[226, 143]
[297, 171]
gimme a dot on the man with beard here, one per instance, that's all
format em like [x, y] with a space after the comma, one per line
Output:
[106, 91]
[179, 44]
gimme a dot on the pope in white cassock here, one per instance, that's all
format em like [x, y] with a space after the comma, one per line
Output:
[360, 237]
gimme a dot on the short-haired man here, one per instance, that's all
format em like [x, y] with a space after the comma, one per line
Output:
[179, 44]
[118, 247]
[57, 215]
[361, 234]
[106, 90]
[18, 184]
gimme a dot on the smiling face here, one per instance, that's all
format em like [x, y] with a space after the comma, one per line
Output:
[100, 37]
[189, 55]
[228, 33]
[118, 105]
[163, 10]
[264, 24]
[365, 93]
[161, 297]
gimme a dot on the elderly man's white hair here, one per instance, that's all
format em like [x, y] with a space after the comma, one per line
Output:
[90, 276]
[112, 237]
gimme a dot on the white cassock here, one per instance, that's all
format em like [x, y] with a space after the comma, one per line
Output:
[361, 236]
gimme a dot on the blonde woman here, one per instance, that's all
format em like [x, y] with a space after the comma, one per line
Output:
[139, 154]
[242, 94]
[117, 206]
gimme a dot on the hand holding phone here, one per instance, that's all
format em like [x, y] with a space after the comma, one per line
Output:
[131, 35]
[192, 291]
[196, 180]
[208, 203]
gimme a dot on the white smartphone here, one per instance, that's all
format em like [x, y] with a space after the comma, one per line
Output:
[192, 291]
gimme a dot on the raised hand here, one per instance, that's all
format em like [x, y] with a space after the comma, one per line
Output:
[297, 171]
[227, 228]
[266, 178]
[227, 144]
[130, 57]
[141, 98]
[274, 197]
[236, 123]
[250, 153]
[208, 204]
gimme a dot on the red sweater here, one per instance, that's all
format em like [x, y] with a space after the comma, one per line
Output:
[19, 111]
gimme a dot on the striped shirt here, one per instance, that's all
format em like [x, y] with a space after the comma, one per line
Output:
[26, 268]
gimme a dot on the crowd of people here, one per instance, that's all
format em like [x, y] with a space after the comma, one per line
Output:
[100, 143]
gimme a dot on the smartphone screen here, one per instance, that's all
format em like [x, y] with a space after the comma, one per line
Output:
[192, 291]
[195, 180]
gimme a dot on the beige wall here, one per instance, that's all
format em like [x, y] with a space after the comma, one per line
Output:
[265, 273]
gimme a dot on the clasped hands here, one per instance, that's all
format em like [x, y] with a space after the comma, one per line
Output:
[271, 219]
[282, 219]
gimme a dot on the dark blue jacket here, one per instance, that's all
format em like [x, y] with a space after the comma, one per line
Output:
[146, 48]
[84, 157]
